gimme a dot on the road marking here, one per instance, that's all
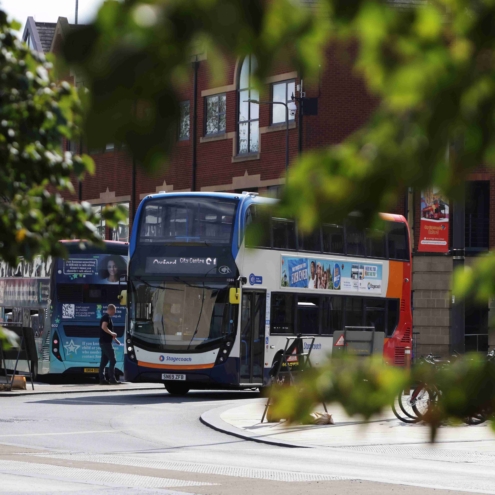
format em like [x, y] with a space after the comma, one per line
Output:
[59, 433]
[91, 477]
[162, 461]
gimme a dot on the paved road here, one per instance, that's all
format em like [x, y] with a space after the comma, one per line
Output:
[150, 442]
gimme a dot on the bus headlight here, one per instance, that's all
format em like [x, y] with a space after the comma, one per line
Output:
[224, 351]
[130, 350]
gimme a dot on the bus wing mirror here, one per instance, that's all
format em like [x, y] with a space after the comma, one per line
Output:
[234, 296]
[122, 297]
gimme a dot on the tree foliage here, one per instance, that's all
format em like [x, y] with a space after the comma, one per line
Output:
[36, 113]
[431, 68]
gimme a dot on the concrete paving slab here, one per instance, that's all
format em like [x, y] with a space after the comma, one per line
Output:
[244, 422]
[45, 388]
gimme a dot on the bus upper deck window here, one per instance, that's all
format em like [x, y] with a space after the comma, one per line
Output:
[333, 238]
[375, 243]
[310, 241]
[284, 233]
[398, 241]
[354, 240]
[257, 233]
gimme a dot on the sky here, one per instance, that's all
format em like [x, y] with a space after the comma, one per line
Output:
[49, 10]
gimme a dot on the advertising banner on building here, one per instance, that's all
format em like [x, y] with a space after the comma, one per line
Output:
[434, 225]
[24, 292]
[334, 275]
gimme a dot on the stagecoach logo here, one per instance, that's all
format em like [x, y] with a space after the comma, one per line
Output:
[373, 286]
[224, 270]
[162, 358]
[255, 279]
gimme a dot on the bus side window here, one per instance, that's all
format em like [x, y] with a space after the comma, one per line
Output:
[393, 316]
[375, 313]
[354, 240]
[284, 233]
[398, 241]
[332, 315]
[354, 311]
[308, 315]
[257, 236]
[375, 243]
[333, 239]
[282, 313]
[311, 241]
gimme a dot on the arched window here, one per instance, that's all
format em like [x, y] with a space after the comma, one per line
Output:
[248, 124]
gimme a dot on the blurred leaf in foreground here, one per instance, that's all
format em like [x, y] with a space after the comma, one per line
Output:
[36, 113]
[365, 388]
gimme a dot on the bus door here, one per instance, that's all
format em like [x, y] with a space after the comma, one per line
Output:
[252, 337]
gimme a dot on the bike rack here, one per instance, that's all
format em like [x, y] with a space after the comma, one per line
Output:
[303, 358]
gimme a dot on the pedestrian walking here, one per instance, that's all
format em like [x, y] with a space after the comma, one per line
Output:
[107, 336]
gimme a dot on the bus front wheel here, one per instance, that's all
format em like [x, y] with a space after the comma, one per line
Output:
[176, 388]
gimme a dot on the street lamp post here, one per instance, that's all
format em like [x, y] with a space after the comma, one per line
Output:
[292, 106]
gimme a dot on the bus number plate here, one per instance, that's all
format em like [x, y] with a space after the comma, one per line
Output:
[173, 376]
[91, 370]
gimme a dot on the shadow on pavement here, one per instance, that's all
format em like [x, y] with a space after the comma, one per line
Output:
[133, 398]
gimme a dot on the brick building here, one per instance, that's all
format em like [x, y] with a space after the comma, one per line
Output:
[230, 145]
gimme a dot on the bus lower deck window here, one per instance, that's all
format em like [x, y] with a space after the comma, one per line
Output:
[282, 313]
[308, 315]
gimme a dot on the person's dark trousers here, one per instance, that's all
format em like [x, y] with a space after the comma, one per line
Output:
[107, 356]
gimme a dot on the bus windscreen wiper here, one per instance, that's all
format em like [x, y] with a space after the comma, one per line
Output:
[199, 319]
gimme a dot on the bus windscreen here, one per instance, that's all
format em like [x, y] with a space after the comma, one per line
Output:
[178, 220]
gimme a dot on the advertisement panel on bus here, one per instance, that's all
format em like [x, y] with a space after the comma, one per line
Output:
[85, 285]
[343, 275]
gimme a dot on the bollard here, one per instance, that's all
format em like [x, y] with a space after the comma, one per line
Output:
[407, 361]
[407, 357]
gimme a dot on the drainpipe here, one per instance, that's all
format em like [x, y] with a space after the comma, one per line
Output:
[195, 125]
[457, 326]
[458, 311]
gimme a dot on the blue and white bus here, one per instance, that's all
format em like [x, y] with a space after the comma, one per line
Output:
[63, 301]
[207, 311]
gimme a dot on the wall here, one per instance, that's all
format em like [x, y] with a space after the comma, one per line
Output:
[431, 304]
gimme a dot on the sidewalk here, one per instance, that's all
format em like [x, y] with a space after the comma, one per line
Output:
[78, 388]
[244, 422]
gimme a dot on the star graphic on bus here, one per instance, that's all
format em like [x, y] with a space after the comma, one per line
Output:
[71, 347]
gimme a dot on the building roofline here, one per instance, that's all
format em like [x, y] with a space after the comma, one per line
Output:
[31, 30]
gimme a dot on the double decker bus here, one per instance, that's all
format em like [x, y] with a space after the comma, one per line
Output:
[208, 311]
[63, 301]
